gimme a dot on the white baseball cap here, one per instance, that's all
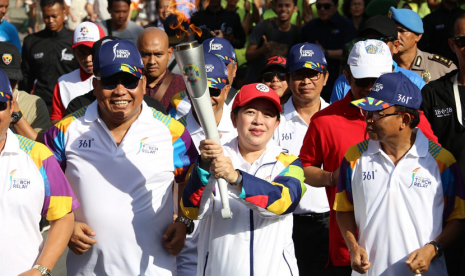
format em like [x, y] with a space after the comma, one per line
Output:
[87, 33]
[370, 59]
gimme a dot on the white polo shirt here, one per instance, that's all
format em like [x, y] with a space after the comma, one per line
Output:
[126, 190]
[31, 185]
[290, 135]
[398, 209]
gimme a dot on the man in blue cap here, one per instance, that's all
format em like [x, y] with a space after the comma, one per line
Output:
[307, 75]
[410, 28]
[218, 84]
[223, 49]
[121, 158]
[398, 188]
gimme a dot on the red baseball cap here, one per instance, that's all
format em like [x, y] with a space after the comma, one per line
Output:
[253, 91]
[87, 33]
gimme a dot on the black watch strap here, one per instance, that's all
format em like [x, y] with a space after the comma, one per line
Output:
[16, 116]
[439, 248]
[188, 222]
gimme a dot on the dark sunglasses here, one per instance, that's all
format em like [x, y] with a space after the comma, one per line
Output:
[3, 106]
[325, 6]
[383, 39]
[214, 92]
[311, 74]
[364, 82]
[459, 41]
[111, 83]
[269, 76]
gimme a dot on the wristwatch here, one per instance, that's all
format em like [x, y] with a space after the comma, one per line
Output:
[439, 248]
[239, 179]
[189, 224]
[43, 270]
[16, 116]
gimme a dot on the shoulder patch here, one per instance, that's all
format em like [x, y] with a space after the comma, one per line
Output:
[165, 119]
[36, 151]
[442, 156]
[355, 151]
[440, 59]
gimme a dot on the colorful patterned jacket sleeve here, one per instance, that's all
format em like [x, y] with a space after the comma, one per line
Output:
[452, 182]
[59, 197]
[280, 197]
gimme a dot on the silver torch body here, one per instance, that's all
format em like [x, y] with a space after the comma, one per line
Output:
[191, 62]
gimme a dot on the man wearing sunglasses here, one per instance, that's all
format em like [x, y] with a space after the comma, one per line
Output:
[398, 189]
[307, 75]
[122, 157]
[331, 32]
[410, 28]
[384, 29]
[274, 75]
[443, 104]
[334, 129]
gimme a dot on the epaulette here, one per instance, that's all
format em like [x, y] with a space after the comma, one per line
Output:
[438, 58]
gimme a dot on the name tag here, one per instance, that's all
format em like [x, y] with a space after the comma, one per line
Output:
[443, 112]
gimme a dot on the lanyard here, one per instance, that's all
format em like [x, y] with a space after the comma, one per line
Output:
[458, 103]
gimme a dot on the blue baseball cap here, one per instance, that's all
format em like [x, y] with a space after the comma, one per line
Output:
[220, 47]
[306, 55]
[391, 89]
[217, 73]
[407, 18]
[5, 88]
[118, 56]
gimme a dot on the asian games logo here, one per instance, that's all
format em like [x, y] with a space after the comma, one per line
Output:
[192, 73]
[84, 31]
[418, 181]
[146, 148]
[18, 183]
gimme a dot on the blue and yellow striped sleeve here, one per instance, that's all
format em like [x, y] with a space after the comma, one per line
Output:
[344, 201]
[54, 138]
[283, 194]
[59, 197]
[452, 182]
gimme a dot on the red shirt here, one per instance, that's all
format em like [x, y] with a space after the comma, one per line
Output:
[330, 134]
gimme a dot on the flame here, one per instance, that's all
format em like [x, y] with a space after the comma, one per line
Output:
[181, 16]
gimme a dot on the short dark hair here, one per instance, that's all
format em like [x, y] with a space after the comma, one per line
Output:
[48, 3]
[295, 2]
[346, 8]
[110, 2]
[415, 115]
[235, 111]
[335, 2]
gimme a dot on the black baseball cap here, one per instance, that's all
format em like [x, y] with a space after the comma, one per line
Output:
[381, 24]
[11, 61]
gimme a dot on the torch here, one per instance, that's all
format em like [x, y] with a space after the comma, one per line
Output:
[191, 62]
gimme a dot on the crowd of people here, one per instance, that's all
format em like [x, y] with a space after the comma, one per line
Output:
[342, 138]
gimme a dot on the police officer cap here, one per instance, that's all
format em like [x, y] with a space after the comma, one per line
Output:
[407, 18]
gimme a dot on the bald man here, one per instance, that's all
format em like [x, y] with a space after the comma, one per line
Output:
[154, 48]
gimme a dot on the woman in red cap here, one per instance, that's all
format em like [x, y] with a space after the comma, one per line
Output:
[266, 185]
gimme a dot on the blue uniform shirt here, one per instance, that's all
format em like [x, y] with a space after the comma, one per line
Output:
[8, 33]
